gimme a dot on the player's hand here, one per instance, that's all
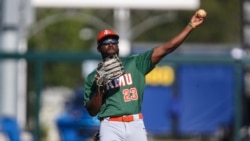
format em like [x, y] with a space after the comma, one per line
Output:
[100, 88]
[197, 20]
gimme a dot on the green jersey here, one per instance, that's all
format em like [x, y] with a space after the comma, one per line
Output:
[124, 95]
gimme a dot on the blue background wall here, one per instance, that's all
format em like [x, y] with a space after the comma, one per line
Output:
[201, 98]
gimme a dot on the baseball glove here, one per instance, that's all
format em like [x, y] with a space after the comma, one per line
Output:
[111, 68]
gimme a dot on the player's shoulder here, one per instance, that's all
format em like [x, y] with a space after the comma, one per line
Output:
[138, 55]
[133, 56]
[128, 59]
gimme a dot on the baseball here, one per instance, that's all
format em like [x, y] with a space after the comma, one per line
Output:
[201, 13]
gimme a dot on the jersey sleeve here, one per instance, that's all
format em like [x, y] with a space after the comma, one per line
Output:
[144, 62]
[89, 88]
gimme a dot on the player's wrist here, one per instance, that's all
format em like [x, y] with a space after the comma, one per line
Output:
[100, 89]
[191, 25]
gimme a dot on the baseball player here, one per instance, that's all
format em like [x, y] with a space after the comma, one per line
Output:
[114, 91]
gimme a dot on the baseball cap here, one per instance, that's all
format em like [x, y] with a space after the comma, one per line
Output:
[105, 34]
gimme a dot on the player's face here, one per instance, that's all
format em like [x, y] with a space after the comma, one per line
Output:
[109, 47]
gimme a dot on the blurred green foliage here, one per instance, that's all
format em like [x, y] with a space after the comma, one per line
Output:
[222, 25]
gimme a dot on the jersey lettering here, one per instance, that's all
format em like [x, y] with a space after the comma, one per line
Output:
[124, 80]
[110, 85]
[128, 78]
